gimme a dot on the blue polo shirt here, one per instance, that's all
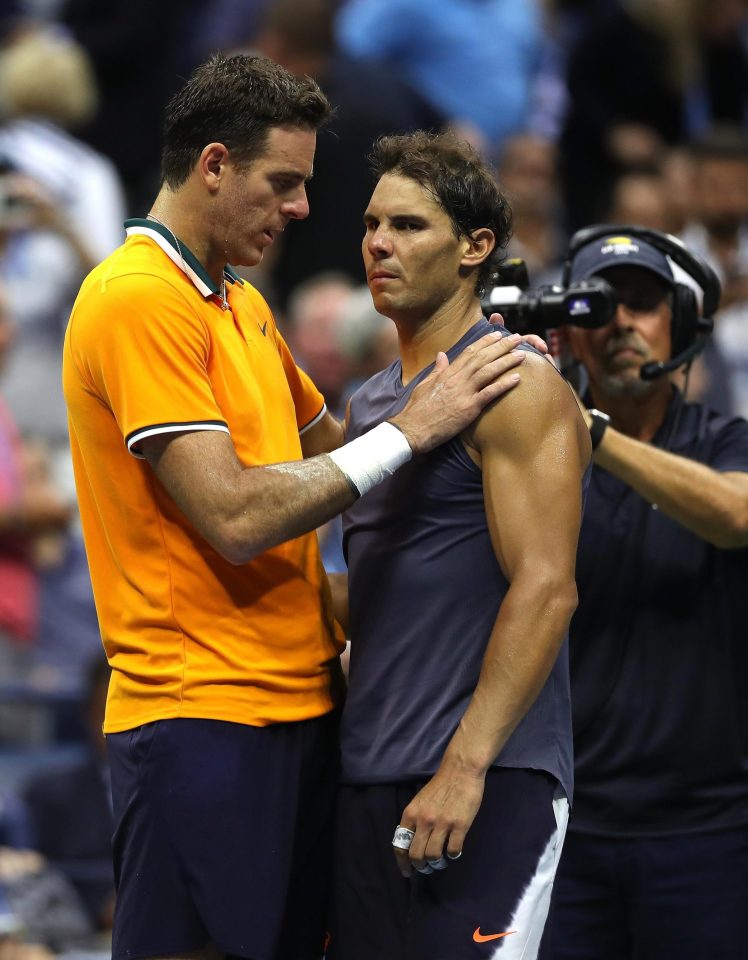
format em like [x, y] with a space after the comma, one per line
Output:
[659, 654]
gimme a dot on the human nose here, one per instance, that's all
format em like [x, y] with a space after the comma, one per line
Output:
[624, 317]
[378, 243]
[296, 207]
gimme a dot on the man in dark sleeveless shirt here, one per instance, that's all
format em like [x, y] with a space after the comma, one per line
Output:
[456, 734]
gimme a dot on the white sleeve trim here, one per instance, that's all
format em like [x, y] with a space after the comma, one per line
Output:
[316, 420]
[160, 428]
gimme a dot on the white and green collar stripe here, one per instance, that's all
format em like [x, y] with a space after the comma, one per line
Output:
[181, 255]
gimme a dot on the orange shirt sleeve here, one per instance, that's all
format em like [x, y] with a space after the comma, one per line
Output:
[148, 361]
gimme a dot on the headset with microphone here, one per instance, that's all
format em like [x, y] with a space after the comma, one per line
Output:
[689, 327]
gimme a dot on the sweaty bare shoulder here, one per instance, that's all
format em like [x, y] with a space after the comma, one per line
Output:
[541, 413]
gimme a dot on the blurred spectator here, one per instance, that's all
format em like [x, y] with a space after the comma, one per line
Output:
[370, 101]
[138, 49]
[312, 330]
[225, 24]
[40, 908]
[60, 211]
[718, 231]
[29, 506]
[473, 60]
[647, 200]
[643, 199]
[366, 338]
[48, 88]
[527, 173]
[31, 509]
[70, 814]
[41, 261]
[677, 169]
[645, 75]
[68, 637]
[562, 21]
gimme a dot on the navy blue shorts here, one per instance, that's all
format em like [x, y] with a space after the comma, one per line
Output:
[652, 898]
[493, 901]
[222, 837]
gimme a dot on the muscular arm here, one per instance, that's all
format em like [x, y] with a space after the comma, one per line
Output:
[339, 590]
[327, 435]
[711, 504]
[533, 449]
[243, 511]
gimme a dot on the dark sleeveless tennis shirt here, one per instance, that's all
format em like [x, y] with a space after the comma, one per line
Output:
[425, 589]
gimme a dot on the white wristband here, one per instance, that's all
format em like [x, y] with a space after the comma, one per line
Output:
[368, 459]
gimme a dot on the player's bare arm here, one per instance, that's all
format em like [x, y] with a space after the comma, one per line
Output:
[326, 435]
[339, 590]
[243, 511]
[533, 448]
[444, 399]
[329, 433]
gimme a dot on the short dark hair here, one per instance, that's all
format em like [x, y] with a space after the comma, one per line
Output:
[235, 101]
[458, 179]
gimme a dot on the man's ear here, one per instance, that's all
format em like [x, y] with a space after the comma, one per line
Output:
[480, 245]
[212, 164]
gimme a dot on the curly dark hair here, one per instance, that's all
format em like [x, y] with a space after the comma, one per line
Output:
[235, 101]
[460, 181]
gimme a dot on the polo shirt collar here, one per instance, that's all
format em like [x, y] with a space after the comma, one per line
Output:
[180, 254]
[670, 434]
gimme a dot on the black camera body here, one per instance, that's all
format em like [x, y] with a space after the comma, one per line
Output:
[593, 302]
[586, 303]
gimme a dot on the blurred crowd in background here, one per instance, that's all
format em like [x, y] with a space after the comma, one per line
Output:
[625, 111]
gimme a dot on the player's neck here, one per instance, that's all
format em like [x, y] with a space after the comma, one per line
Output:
[422, 338]
[175, 211]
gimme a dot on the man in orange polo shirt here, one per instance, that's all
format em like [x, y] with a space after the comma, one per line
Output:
[204, 461]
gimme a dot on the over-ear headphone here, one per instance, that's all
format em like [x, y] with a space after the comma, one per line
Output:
[690, 326]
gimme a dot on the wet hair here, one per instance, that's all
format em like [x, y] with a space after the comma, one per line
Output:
[457, 178]
[235, 101]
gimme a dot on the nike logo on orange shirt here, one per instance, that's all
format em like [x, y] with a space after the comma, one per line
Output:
[263, 328]
[484, 938]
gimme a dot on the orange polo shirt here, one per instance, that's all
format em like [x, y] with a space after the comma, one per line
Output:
[149, 350]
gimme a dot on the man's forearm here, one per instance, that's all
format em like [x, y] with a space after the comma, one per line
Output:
[522, 650]
[242, 511]
[710, 504]
[260, 507]
[339, 591]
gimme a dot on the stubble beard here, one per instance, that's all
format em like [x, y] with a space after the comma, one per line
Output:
[624, 383]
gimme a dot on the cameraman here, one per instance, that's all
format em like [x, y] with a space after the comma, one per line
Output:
[656, 860]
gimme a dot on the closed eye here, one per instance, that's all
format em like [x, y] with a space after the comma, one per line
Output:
[286, 184]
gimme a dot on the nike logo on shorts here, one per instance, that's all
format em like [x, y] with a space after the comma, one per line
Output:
[485, 937]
